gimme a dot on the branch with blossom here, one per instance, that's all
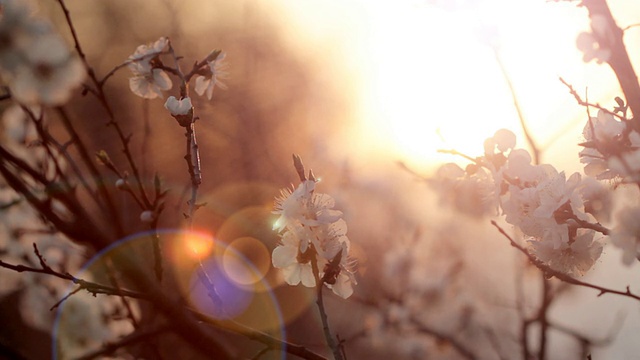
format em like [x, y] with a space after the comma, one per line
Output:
[550, 272]
[313, 237]
[82, 198]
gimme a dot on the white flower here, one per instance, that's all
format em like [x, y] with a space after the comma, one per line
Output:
[342, 284]
[146, 52]
[574, 258]
[595, 164]
[591, 48]
[206, 83]
[605, 128]
[555, 192]
[626, 234]
[48, 74]
[540, 200]
[178, 107]
[291, 205]
[520, 169]
[597, 199]
[148, 84]
[312, 234]
[606, 145]
[291, 259]
[148, 80]
[596, 44]
[518, 206]
[503, 140]
[304, 206]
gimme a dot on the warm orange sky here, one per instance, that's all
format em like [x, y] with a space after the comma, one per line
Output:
[425, 79]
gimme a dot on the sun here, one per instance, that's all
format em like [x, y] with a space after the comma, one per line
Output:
[438, 74]
[434, 74]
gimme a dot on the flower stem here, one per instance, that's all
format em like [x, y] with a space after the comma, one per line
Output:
[335, 348]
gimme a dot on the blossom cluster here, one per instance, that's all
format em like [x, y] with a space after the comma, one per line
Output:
[611, 148]
[557, 215]
[150, 78]
[314, 245]
[35, 62]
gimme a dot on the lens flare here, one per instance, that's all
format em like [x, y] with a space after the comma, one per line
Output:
[199, 245]
[215, 294]
[252, 304]
[246, 260]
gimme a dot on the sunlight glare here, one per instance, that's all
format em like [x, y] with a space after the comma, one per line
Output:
[198, 245]
[436, 84]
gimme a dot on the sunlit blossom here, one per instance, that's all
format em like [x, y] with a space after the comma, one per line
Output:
[149, 84]
[216, 71]
[606, 143]
[596, 44]
[574, 258]
[503, 140]
[145, 53]
[304, 206]
[312, 234]
[149, 80]
[287, 256]
[344, 281]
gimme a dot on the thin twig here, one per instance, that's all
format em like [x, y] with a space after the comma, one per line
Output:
[337, 354]
[99, 92]
[125, 301]
[425, 329]
[89, 163]
[523, 124]
[131, 339]
[561, 276]
[588, 104]
[65, 298]
[232, 326]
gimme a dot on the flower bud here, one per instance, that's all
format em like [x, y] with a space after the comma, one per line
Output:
[121, 184]
[147, 216]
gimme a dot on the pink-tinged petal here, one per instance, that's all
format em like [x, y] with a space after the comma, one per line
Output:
[160, 44]
[202, 83]
[291, 274]
[306, 275]
[504, 139]
[342, 287]
[284, 256]
[161, 80]
[210, 89]
[140, 86]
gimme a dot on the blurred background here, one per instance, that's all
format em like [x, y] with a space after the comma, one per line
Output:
[354, 87]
